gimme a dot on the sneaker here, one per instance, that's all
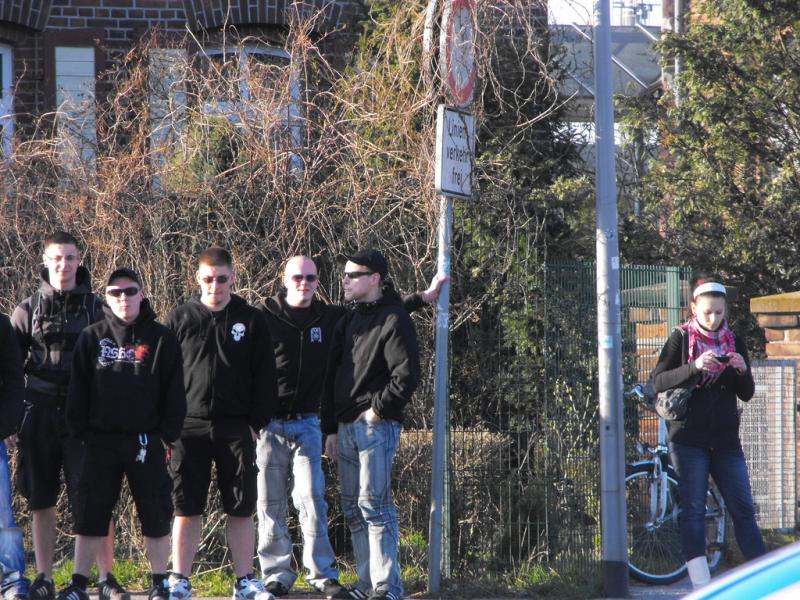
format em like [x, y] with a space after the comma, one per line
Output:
[14, 586]
[276, 588]
[42, 589]
[179, 588]
[110, 589]
[384, 595]
[159, 592]
[251, 589]
[72, 592]
[333, 589]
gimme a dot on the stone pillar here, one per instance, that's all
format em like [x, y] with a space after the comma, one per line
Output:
[779, 316]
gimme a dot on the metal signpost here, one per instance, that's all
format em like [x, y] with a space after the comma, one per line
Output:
[455, 148]
[609, 350]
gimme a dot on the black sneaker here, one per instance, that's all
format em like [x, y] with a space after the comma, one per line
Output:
[42, 589]
[384, 595]
[110, 589]
[333, 589]
[72, 592]
[276, 588]
[159, 592]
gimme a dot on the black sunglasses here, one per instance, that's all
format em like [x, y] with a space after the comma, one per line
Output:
[118, 292]
[298, 278]
[211, 278]
[357, 274]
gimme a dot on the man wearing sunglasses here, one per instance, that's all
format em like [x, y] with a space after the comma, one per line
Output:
[229, 374]
[125, 403]
[47, 325]
[290, 447]
[372, 374]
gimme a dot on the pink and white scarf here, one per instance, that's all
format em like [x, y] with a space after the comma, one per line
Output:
[701, 340]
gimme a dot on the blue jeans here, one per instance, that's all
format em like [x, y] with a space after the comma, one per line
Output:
[12, 555]
[366, 452]
[729, 470]
[289, 459]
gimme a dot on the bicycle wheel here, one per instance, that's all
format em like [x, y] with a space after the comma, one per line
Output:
[715, 527]
[654, 542]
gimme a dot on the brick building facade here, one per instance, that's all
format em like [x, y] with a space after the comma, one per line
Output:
[49, 44]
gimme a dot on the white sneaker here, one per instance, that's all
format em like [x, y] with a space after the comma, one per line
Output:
[251, 589]
[179, 588]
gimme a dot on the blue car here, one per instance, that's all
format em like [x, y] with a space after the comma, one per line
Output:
[774, 576]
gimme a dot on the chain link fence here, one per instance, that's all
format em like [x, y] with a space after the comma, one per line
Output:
[769, 438]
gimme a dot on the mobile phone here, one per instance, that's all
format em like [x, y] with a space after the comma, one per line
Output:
[724, 358]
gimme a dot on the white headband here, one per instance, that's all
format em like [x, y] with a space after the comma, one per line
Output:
[707, 288]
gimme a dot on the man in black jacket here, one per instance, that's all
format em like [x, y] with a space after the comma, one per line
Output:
[372, 374]
[12, 555]
[125, 403]
[289, 449]
[47, 325]
[229, 374]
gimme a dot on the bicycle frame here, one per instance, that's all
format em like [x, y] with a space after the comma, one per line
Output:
[659, 461]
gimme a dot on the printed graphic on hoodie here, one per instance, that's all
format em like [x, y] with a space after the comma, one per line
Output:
[238, 331]
[110, 353]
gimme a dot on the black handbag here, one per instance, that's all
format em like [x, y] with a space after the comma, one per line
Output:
[672, 404]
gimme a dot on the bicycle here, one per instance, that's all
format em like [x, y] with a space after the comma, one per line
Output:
[651, 495]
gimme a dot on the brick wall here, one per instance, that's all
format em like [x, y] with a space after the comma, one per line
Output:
[117, 25]
[212, 14]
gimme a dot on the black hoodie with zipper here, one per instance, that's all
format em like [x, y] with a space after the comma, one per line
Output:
[228, 369]
[12, 382]
[374, 362]
[127, 379]
[47, 325]
[301, 354]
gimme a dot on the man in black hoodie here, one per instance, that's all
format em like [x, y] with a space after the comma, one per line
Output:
[372, 374]
[229, 374]
[47, 325]
[125, 403]
[12, 554]
[290, 448]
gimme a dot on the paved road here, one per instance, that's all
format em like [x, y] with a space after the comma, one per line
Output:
[659, 592]
[638, 592]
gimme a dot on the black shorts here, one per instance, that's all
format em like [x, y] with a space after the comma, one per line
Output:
[45, 447]
[107, 457]
[229, 444]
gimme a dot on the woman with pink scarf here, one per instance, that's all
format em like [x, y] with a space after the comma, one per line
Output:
[706, 442]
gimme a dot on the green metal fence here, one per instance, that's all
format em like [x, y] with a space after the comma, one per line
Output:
[524, 429]
[653, 300]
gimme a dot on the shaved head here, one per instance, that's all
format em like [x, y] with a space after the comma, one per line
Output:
[296, 264]
[300, 280]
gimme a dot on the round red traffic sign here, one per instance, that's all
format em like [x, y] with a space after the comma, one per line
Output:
[458, 37]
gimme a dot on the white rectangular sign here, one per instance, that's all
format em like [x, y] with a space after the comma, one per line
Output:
[455, 148]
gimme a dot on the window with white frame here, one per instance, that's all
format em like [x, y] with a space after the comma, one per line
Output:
[256, 84]
[6, 99]
[167, 82]
[75, 76]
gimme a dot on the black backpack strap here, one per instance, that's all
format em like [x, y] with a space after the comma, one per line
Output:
[93, 312]
[684, 345]
[35, 305]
